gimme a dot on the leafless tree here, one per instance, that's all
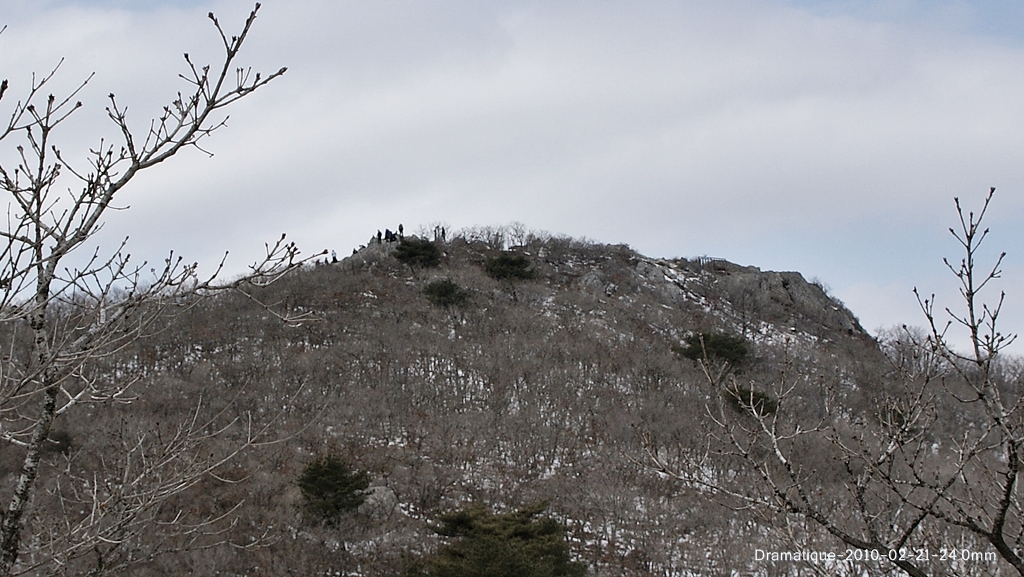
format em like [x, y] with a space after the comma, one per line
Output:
[924, 465]
[62, 313]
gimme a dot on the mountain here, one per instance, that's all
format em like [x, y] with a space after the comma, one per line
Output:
[545, 385]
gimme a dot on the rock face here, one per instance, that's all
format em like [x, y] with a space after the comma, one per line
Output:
[787, 298]
[745, 298]
[379, 504]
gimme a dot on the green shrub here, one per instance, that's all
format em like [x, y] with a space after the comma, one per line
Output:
[509, 545]
[750, 402]
[330, 488]
[445, 293]
[418, 252]
[717, 346]
[508, 266]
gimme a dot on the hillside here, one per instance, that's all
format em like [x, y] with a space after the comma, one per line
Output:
[525, 390]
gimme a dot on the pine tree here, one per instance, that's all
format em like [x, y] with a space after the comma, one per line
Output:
[507, 545]
[330, 488]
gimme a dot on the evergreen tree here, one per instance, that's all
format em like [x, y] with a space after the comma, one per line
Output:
[330, 488]
[515, 544]
[418, 252]
[750, 402]
[715, 346]
[507, 266]
[445, 293]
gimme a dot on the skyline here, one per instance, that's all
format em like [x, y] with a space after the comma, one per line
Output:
[827, 138]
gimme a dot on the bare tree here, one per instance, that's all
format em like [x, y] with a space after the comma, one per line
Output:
[919, 474]
[58, 321]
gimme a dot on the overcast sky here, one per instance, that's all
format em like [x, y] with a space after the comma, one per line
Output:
[823, 137]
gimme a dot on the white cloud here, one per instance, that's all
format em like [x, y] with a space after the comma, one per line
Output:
[769, 134]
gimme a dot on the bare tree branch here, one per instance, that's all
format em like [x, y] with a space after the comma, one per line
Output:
[60, 322]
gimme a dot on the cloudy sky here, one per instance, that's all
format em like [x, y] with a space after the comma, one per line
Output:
[824, 137]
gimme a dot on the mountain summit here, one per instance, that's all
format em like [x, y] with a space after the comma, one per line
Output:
[440, 374]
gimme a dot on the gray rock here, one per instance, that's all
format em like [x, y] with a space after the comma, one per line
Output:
[380, 502]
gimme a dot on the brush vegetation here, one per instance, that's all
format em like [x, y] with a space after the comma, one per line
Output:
[419, 433]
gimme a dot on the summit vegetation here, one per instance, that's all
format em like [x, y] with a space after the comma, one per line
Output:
[491, 402]
[606, 414]
[407, 394]
[485, 402]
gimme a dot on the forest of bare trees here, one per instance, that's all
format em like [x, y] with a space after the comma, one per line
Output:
[536, 392]
[917, 472]
[574, 388]
[633, 416]
[67, 309]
